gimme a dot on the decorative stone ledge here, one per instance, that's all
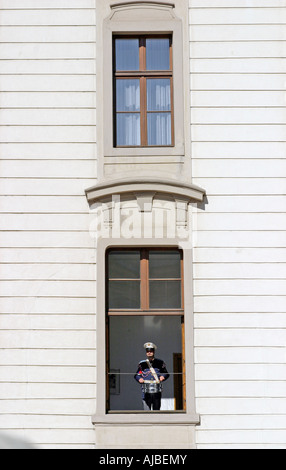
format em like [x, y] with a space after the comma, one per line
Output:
[148, 187]
[147, 418]
[140, 3]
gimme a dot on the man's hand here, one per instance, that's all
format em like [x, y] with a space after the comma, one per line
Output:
[141, 381]
[162, 378]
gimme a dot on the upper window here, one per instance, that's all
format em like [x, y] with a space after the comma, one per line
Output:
[143, 96]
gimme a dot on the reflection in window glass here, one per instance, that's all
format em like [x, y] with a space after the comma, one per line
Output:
[127, 54]
[157, 54]
[128, 129]
[124, 264]
[165, 294]
[159, 128]
[164, 264]
[127, 95]
[124, 294]
[158, 94]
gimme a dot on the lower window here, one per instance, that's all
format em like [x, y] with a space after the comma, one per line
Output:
[145, 330]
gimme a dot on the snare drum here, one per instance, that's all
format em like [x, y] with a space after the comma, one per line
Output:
[152, 387]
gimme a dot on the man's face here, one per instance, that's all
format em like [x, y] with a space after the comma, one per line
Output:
[150, 354]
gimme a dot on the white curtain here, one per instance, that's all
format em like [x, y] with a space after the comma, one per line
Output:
[128, 129]
[127, 103]
[159, 123]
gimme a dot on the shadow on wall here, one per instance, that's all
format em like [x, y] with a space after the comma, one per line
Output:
[9, 442]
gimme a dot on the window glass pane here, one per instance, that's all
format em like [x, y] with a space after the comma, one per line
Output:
[159, 128]
[158, 54]
[127, 95]
[124, 294]
[164, 264]
[158, 94]
[128, 129]
[127, 335]
[165, 294]
[124, 265]
[127, 54]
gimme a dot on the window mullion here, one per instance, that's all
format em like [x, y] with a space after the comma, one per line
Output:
[144, 280]
[143, 90]
[143, 110]
[142, 53]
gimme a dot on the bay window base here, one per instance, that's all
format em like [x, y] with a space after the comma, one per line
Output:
[151, 436]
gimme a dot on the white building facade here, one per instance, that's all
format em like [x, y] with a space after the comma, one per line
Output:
[143, 203]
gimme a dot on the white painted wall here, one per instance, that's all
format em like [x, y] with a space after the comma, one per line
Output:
[238, 130]
[48, 158]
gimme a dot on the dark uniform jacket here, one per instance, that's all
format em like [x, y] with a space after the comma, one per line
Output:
[143, 371]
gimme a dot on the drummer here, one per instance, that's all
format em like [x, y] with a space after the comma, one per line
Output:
[150, 374]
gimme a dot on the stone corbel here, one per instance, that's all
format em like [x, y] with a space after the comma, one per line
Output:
[181, 212]
[145, 201]
[108, 210]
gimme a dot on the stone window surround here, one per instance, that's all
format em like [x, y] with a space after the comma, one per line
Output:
[118, 22]
[102, 417]
[190, 194]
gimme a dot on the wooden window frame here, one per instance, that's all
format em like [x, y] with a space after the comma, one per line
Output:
[103, 416]
[146, 310]
[144, 287]
[143, 74]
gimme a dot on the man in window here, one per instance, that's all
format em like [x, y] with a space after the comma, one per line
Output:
[150, 374]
